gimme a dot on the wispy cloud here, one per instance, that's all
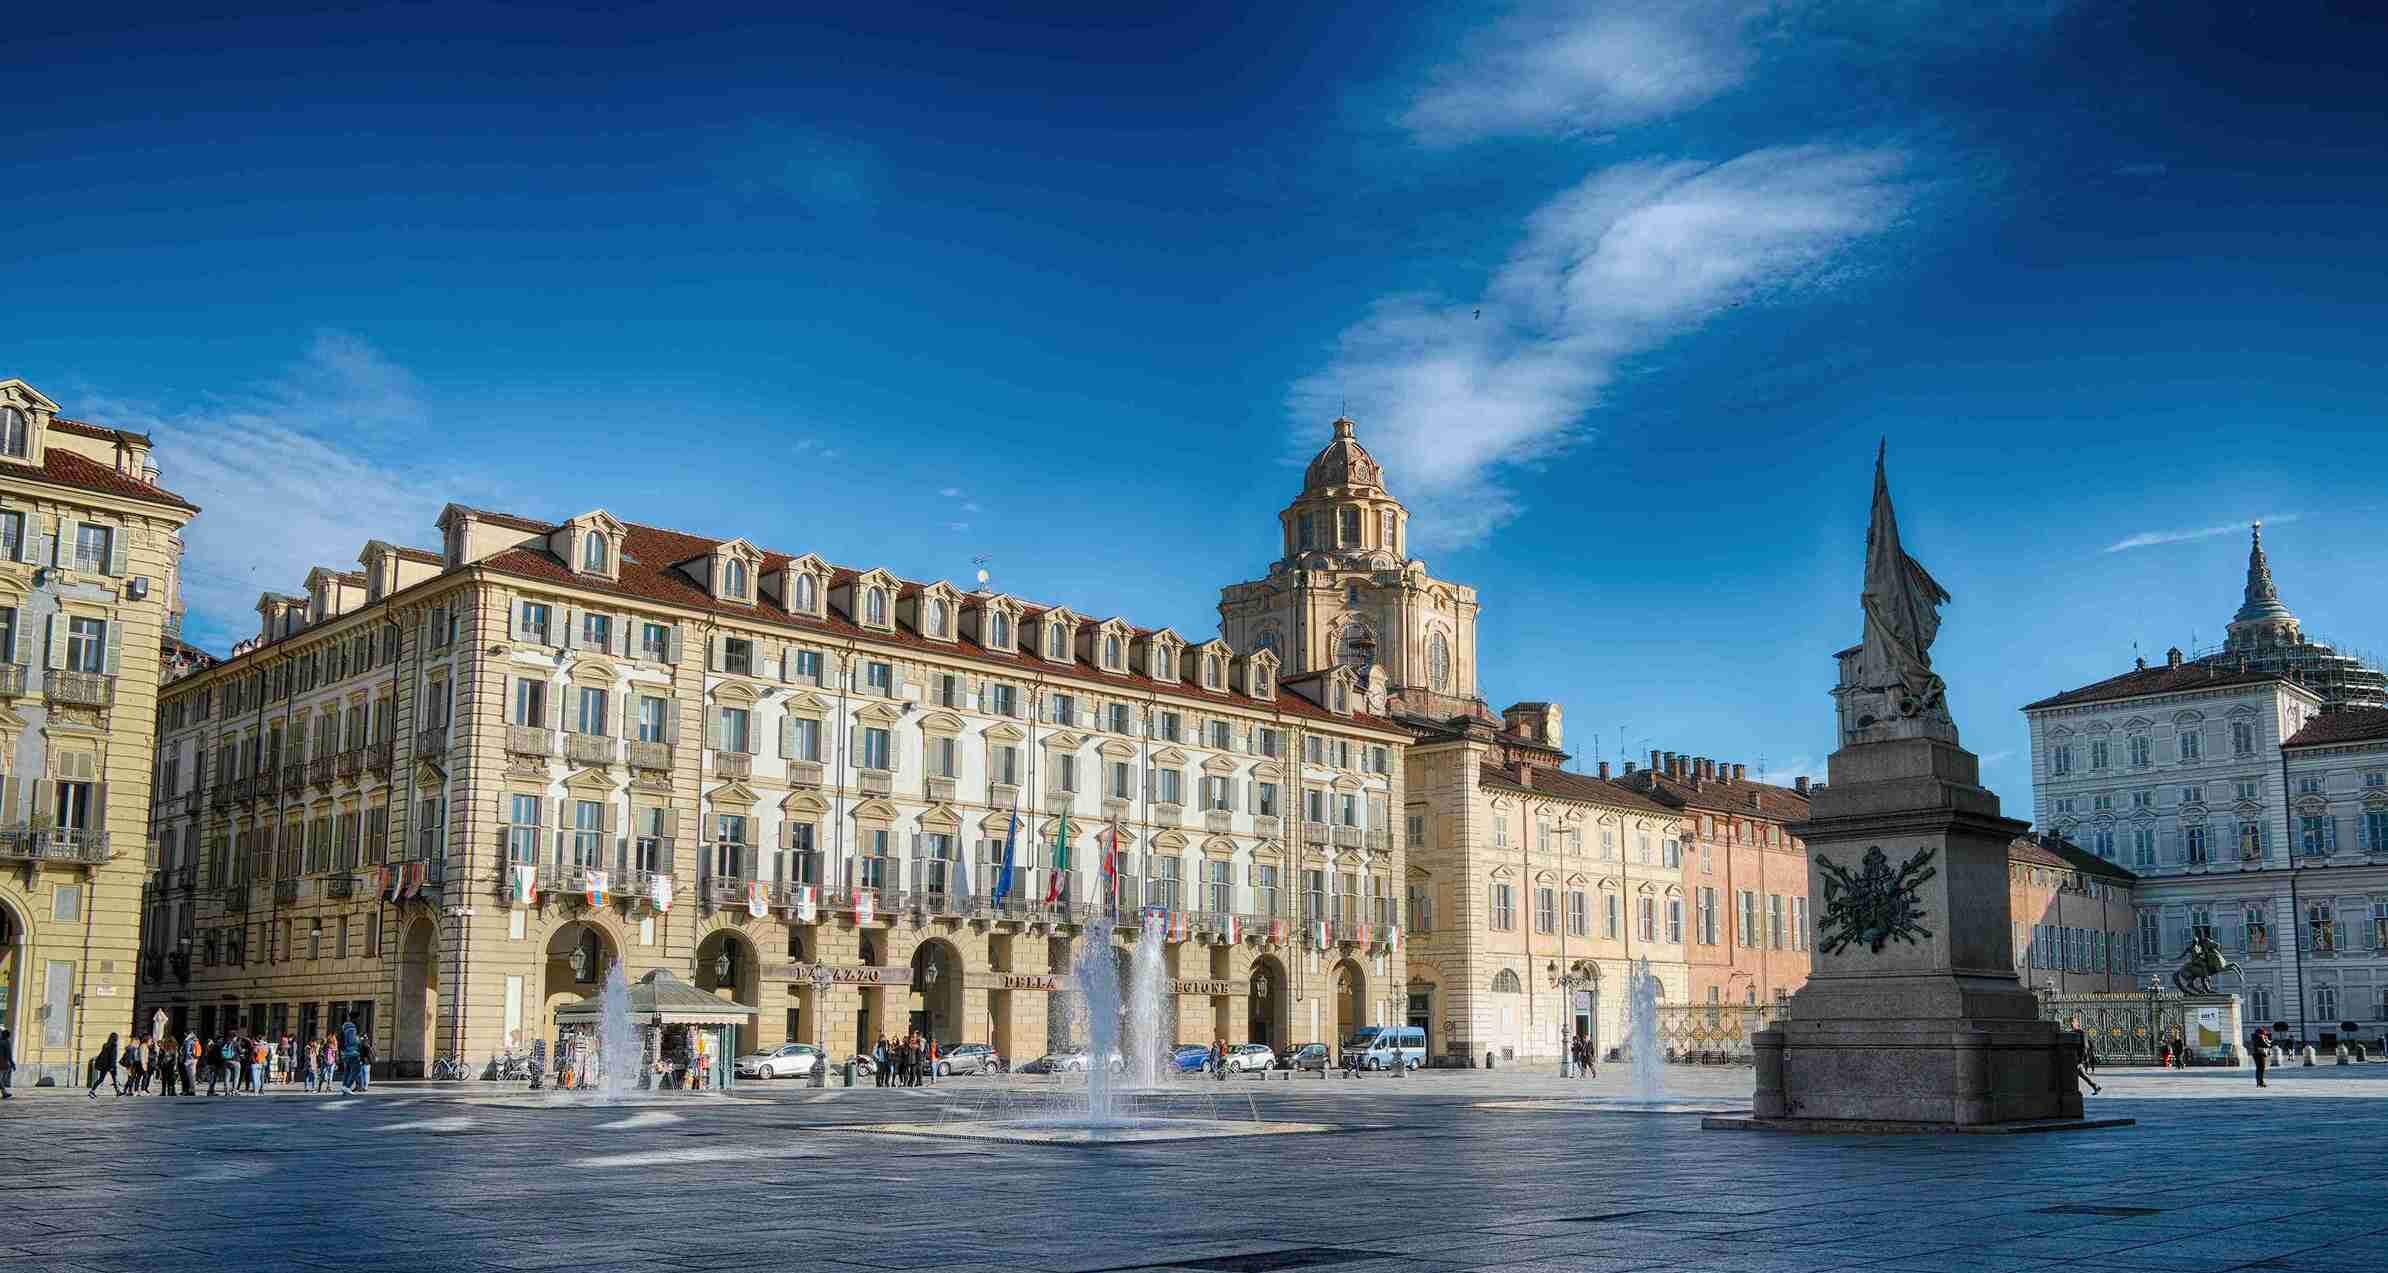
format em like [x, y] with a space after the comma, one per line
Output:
[2151, 538]
[1455, 392]
[298, 472]
[1573, 68]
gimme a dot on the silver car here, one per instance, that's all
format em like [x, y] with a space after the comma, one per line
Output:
[969, 1058]
[794, 1060]
[1251, 1056]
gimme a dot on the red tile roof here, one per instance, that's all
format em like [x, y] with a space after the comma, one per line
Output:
[2347, 725]
[1563, 785]
[1723, 795]
[2064, 855]
[650, 553]
[2157, 680]
[99, 431]
[69, 469]
[428, 556]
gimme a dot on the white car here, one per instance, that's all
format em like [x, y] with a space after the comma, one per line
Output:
[794, 1060]
[1074, 1061]
[1251, 1056]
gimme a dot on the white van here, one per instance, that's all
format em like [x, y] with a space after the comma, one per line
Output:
[1383, 1047]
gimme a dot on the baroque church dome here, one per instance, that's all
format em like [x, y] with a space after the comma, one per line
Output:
[1343, 462]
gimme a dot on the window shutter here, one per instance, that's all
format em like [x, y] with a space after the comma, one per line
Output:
[571, 619]
[671, 721]
[612, 820]
[787, 663]
[895, 682]
[854, 746]
[629, 713]
[514, 621]
[23, 654]
[713, 652]
[787, 738]
[671, 644]
[115, 564]
[713, 729]
[58, 546]
[56, 640]
[115, 645]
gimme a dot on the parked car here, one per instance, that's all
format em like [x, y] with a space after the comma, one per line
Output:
[1251, 1056]
[1388, 1047]
[794, 1060]
[1069, 1061]
[970, 1058]
[1306, 1056]
[1190, 1058]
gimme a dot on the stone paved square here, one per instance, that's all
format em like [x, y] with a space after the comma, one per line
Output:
[1413, 1175]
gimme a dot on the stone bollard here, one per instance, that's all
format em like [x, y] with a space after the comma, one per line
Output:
[2342, 1054]
[2308, 1056]
[1767, 1101]
[1488, 1059]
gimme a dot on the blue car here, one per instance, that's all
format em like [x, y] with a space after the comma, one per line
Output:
[1190, 1058]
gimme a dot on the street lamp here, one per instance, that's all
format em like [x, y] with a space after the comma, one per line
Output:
[821, 979]
[1567, 983]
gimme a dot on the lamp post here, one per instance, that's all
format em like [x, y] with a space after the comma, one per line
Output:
[821, 979]
[1567, 983]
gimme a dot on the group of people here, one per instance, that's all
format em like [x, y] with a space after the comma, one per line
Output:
[908, 1062]
[1582, 1051]
[231, 1063]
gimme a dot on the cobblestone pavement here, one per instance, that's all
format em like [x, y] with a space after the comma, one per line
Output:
[1419, 1176]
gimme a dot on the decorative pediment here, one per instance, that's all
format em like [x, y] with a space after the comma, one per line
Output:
[1114, 749]
[1169, 756]
[940, 817]
[1211, 662]
[1257, 674]
[804, 804]
[1218, 849]
[2061, 731]
[1578, 879]
[2375, 799]
[1611, 820]
[876, 810]
[994, 621]
[804, 701]
[2242, 712]
[870, 599]
[1114, 642]
[594, 671]
[1157, 654]
[732, 692]
[2188, 718]
[802, 584]
[1220, 765]
[1057, 635]
[731, 572]
[1503, 873]
[997, 824]
[2100, 727]
[2138, 724]
[878, 713]
[591, 784]
[1607, 884]
[1268, 769]
[1006, 733]
[1170, 842]
[733, 795]
[2312, 805]
[1065, 740]
[2247, 808]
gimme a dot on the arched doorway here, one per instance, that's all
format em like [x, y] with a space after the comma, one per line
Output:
[1270, 1010]
[728, 966]
[418, 998]
[578, 953]
[934, 1000]
[1351, 1001]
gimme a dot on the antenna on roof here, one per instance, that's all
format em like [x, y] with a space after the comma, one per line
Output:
[981, 562]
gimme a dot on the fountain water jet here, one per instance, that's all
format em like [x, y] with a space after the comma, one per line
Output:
[1644, 1048]
[1144, 1007]
[619, 1054]
[1096, 976]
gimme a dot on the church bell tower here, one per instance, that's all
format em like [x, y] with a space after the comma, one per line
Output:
[1346, 591]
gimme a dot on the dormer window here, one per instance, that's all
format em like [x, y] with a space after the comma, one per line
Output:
[1262, 685]
[1343, 698]
[1056, 642]
[13, 435]
[999, 631]
[1210, 671]
[1111, 653]
[808, 594]
[592, 553]
[733, 579]
[937, 619]
[874, 607]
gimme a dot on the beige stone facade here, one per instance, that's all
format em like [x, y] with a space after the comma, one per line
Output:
[90, 552]
[404, 797]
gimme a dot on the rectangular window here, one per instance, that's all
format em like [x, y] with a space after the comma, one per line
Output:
[1611, 911]
[738, 655]
[1504, 908]
[1065, 772]
[1215, 794]
[1579, 914]
[1747, 902]
[879, 678]
[1774, 920]
[654, 720]
[592, 716]
[878, 750]
[596, 631]
[729, 846]
[1646, 918]
[12, 531]
[1707, 917]
[736, 733]
[522, 828]
[1264, 889]
[1168, 786]
[2192, 744]
[2375, 831]
[86, 645]
[586, 845]
[942, 752]
[2143, 846]
[1265, 799]
[1799, 923]
[805, 666]
[2242, 738]
[1003, 764]
[534, 622]
[2140, 749]
[654, 641]
[91, 547]
[1120, 720]
[1267, 742]
[1675, 920]
[1166, 726]
[1003, 700]
[2317, 834]
[1546, 910]
[530, 707]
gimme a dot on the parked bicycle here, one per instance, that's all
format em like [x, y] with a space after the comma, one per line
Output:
[449, 1067]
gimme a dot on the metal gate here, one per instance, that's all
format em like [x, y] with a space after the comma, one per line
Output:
[1699, 1034]
[2126, 1029]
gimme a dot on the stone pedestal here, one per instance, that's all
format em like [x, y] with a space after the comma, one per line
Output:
[1913, 1018]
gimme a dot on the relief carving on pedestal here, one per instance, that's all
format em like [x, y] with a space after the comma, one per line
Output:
[1875, 904]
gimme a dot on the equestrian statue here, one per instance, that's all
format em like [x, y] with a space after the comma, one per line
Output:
[2200, 964]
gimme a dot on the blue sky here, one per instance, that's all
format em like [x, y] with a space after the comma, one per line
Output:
[1623, 294]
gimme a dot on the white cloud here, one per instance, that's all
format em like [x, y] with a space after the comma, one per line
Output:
[1631, 257]
[970, 508]
[957, 525]
[951, 492]
[295, 473]
[1585, 68]
[2151, 538]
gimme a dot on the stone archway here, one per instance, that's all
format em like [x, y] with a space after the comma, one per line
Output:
[418, 998]
[1270, 1005]
[1351, 1001]
[933, 1002]
[729, 966]
[577, 955]
[13, 987]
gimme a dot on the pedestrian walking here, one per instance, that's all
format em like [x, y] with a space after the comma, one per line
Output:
[364, 1076]
[2259, 1045]
[135, 1073]
[8, 1063]
[348, 1054]
[879, 1063]
[103, 1066]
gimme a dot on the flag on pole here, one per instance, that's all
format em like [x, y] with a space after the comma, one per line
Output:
[758, 898]
[659, 891]
[1276, 932]
[1393, 937]
[806, 906]
[596, 881]
[1363, 935]
[1111, 870]
[1233, 929]
[1011, 838]
[1061, 862]
[523, 883]
[1318, 934]
[863, 899]
[1177, 926]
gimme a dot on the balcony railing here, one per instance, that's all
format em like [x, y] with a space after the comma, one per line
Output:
[733, 764]
[529, 740]
[340, 886]
[192, 799]
[939, 789]
[220, 796]
[379, 756]
[319, 772]
[1267, 824]
[432, 741]
[294, 777]
[875, 782]
[1217, 820]
[1314, 833]
[651, 756]
[1168, 813]
[724, 891]
[266, 784]
[83, 689]
[235, 898]
[73, 848]
[186, 876]
[285, 892]
[350, 763]
[1380, 839]
[1347, 837]
[592, 749]
[12, 678]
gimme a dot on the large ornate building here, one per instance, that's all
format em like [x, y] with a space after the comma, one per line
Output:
[90, 555]
[2248, 792]
[445, 789]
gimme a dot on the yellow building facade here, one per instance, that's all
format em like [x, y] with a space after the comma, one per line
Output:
[90, 551]
[446, 789]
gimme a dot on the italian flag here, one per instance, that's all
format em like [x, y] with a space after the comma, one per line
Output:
[1318, 933]
[523, 884]
[1234, 929]
[1061, 863]
[596, 882]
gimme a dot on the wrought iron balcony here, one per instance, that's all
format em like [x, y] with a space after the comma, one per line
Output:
[220, 796]
[733, 764]
[71, 848]
[592, 749]
[319, 772]
[186, 876]
[340, 886]
[350, 763]
[294, 777]
[379, 756]
[81, 689]
[529, 740]
[654, 757]
[1347, 837]
[192, 799]
[285, 892]
[432, 741]
[1314, 833]
[12, 678]
[266, 785]
[723, 892]
[235, 899]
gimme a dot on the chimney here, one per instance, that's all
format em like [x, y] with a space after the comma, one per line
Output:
[1800, 784]
[1604, 769]
[1654, 755]
[2172, 657]
[1525, 774]
[1629, 769]
[2141, 664]
[1741, 773]
[1707, 768]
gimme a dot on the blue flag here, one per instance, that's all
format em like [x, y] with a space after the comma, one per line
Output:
[1003, 877]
